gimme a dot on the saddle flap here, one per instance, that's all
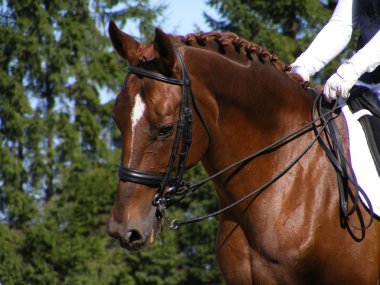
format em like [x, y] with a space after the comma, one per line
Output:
[363, 101]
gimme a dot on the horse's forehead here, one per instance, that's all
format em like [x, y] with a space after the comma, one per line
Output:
[161, 99]
[155, 98]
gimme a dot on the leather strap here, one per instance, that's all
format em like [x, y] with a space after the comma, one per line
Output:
[147, 178]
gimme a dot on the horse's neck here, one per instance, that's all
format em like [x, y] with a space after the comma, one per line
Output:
[255, 104]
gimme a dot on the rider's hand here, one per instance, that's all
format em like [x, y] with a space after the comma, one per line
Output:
[340, 83]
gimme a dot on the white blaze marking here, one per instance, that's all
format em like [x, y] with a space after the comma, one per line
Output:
[136, 115]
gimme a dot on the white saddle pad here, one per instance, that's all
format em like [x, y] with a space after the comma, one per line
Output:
[361, 159]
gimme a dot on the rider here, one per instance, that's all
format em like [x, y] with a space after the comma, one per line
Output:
[333, 38]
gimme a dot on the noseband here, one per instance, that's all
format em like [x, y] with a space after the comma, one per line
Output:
[172, 178]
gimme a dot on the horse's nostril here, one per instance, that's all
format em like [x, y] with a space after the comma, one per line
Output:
[134, 237]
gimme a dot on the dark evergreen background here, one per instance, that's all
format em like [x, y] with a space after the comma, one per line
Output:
[59, 147]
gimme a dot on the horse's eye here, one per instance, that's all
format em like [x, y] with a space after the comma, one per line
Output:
[166, 130]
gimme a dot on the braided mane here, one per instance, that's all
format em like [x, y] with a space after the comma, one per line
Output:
[227, 39]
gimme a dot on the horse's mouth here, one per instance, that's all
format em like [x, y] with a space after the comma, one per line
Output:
[132, 247]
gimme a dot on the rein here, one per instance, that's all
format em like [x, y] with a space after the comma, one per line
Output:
[322, 124]
[176, 186]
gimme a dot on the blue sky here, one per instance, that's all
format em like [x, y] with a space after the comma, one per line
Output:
[182, 16]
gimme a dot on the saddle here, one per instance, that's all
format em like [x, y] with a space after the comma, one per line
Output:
[364, 103]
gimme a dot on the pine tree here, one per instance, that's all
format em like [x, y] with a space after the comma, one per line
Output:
[58, 155]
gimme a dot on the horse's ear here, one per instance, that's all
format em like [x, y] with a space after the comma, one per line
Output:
[164, 48]
[124, 44]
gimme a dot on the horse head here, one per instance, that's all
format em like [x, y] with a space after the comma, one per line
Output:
[147, 111]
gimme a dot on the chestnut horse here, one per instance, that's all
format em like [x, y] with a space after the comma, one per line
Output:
[240, 99]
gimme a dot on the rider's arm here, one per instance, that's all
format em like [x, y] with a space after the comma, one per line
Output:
[331, 40]
[368, 57]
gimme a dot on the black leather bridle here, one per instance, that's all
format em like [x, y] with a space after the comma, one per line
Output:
[171, 180]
